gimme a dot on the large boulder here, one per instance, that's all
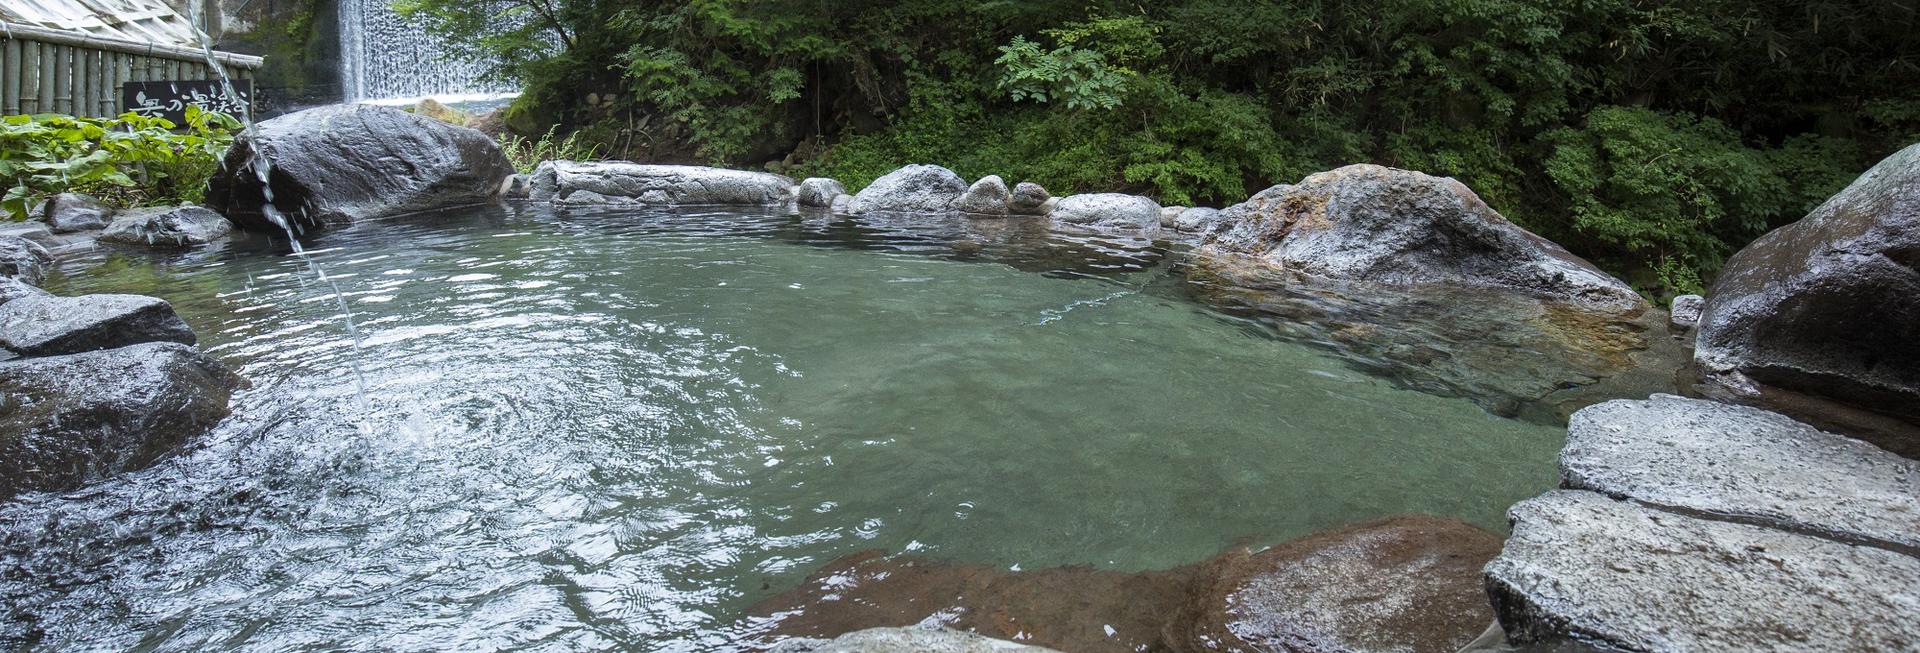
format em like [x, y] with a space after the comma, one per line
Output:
[68, 420]
[1585, 568]
[1398, 227]
[48, 325]
[345, 162]
[989, 196]
[818, 192]
[906, 640]
[1108, 212]
[1410, 583]
[12, 289]
[915, 188]
[1827, 307]
[70, 212]
[1744, 464]
[24, 260]
[1685, 312]
[182, 226]
[620, 182]
[1028, 198]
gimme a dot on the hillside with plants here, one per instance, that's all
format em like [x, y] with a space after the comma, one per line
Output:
[1653, 137]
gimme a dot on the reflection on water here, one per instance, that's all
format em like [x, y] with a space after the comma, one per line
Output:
[616, 431]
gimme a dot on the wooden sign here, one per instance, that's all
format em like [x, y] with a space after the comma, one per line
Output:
[170, 99]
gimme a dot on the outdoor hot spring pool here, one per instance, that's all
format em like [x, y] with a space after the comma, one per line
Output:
[617, 430]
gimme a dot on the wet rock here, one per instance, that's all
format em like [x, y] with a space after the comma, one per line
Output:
[907, 640]
[1744, 464]
[339, 163]
[1028, 198]
[1108, 212]
[1197, 220]
[1168, 214]
[1685, 312]
[1583, 567]
[183, 226]
[820, 191]
[24, 260]
[1410, 583]
[70, 212]
[841, 203]
[1384, 225]
[517, 187]
[989, 196]
[12, 289]
[915, 188]
[1827, 307]
[69, 420]
[619, 182]
[48, 325]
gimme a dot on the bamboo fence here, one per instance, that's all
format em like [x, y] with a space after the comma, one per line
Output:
[54, 71]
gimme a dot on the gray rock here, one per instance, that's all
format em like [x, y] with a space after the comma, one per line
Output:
[49, 326]
[1108, 211]
[619, 182]
[1028, 198]
[1685, 312]
[841, 203]
[1828, 306]
[517, 187]
[339, 163]
[1580, 566]
[12, 289]
[820, 191]
[1168, 214]
[1384, 225]
[24, 260]
[183, 226]
[68, 420]
[1047, 206]
[1197, 220]
[915, 188]
[989, 196]
[70, 212]
[1744, 464]
[906, 640]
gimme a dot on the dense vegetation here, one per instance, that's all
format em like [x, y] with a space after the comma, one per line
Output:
[131, 160]
[1654, 137]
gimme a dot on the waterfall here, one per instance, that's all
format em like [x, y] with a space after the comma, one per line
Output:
[384, 56]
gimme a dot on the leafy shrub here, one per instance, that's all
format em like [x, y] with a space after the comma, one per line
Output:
[126, 161]
[526, 154]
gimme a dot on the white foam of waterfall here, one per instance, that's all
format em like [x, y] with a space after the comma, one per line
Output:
[386, 56]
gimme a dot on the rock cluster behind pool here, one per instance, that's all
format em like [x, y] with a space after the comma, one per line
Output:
[1384, 225]
[340, 163]
[182, 226]
[602, 183]
[1108, 212]
[912, 189]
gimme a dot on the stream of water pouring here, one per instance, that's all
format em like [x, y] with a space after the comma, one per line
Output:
[263, 167]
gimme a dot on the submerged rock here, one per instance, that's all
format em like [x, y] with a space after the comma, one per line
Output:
[1108, 211]
[1397, 227]
[1586, 568]
[1828, 308]
[1744, 464]
[1685, 312]
[916, 188]
[820, 191]
[345, 162]
[989, 196]
[70, 212]
[184, 226]
[619, 182]
[1028, 198]
[907, 640]
[24, 260]
[841, 203]
[12, 289]
[68, 420]
[48, 325]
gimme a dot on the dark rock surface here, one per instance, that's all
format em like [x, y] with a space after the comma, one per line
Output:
[339, 163]
[70, 212]
[989, 196]
[1108, 212]
[619, 182]
[1685, 312]
[1619, 575]
[1390, 226]
[1827, 308]
[916, 188]
[24, 260]
[819, 192]
[1408, 583]
[12, 289]
[67, 420]
[48, 325]
[1744, 464]
[182, 226]
[1027, 198]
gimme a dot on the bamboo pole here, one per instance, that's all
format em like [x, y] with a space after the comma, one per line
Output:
[82, 86]
[30, 77]
[10, 77]
[47, 80]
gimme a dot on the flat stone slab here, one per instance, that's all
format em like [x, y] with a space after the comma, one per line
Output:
[49, 326]
[619, 182]
[1619, 575]
[907, 640]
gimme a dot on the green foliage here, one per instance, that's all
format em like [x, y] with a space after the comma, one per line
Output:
[1081, 79]
[127, 161]
[526, 154]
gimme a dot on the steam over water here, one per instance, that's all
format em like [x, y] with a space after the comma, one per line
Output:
[614, 431]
